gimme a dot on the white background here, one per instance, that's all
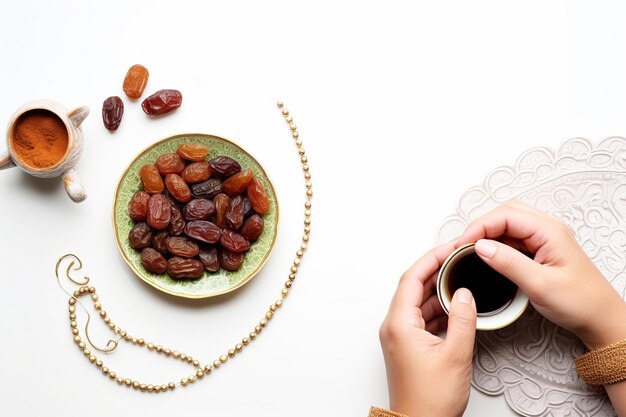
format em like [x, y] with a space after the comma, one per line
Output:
[401, 107]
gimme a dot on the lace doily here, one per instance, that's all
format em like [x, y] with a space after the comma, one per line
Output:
[532, 361]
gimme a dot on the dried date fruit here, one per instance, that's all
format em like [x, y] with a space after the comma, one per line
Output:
[177, 221]
[159, 241]
[140, 236]
[203, 230]
[159, 211]
[138, 206]
[192, 151]
[153, 261]
[170, 163]
[112, 112]
[221, 202]
[231, 261]
[182, 246]
[224, 166]
[198, 209]
[151, 179]
[235, 213]
[178, 268]
[258, 198]
[196, 172]
[178, 188]
[237, 183]
[209, 258]
[233, 241]
[135, 81]
[253, 227]
[207, 189]
[247, 207]
[162, 102]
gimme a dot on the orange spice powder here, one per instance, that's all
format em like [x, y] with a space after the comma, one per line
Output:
[39, 139]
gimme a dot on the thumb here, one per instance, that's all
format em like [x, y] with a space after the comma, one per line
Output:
[511, 263]
[461, 326]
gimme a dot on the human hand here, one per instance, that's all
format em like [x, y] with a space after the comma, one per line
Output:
[560, 280]
[427, 375]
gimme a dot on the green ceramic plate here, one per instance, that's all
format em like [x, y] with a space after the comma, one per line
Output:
[210, 284]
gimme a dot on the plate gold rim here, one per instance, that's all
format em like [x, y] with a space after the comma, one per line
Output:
[175, 293]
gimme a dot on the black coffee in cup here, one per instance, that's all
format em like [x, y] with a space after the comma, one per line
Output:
[492, 291]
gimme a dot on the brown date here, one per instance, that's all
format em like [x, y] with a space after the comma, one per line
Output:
[235, 213]
[182, 246]
[162, 102]
[159, 241]
[207, 189]
[153, 261]
[140, 236]
[159, 211]
[221, 202]
[224, 166]
[196, 172]
[233, 241]
[237, 183]
[252, 228]
[203, 231]
[112, 112]
[178, 188]
[258, 198]
[247, 207]
[135, 81]
[178, 268]
[198, 209]
[138, 206]
[209, 258]
[231, 261]
[177, 221]
[170, 163]
[192, 151]
[151, 179]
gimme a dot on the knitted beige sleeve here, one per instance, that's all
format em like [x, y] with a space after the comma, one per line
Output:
[379, 412]
[603, 366]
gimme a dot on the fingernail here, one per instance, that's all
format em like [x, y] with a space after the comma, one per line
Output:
[485, 248]
[464, 295]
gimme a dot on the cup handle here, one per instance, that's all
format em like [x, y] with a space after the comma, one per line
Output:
[73, 187]
[77, 116]
[6, 161]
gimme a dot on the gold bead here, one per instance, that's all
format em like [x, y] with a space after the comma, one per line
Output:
[92, 289]
[111, 325]
[158, 348]
[289, 119]
[103, 313]
[263, 323]
[75, 331]
[288, 284]
[123, 333]
[134, 340]
[293, 126]
[296, 261]
[73, 323]
[305, 167]
[193, 379]
[252, 335]
[292, 276]
[150, 346]
[309, 192]
[207, 369]
[157, 388]
[150, 387]
[298, 142]
[216, 363]
[105, 370]
[285, 112]
[77, 339]
[82, 345]
[195, 363]
[128, 338]
[279, 302]
[307, 176]
[183, 356]
[72, 316]
[142, 387]
[76, 294]
[285, 291]
[184, 382]
[199, 373]
[307, 221]
[294, 134]
[120, 380]
[307, 213]
[299, 254]
[92, 358]
[176, 354]
[301, 151]
[304, 159]
[99, 363]
[128, 382]
[107, 320]
[72, 301]
[171, 385]
[97, 305]
[305, 237]
[72, 309]
[141, 342]
[273, 307]
[135, 384]
[294, 269]
[223, 358]
[164, 387]
[189, 359]
[257, 329]
[245, 341]
[280, 103]
[82, 290]
[269, 315]
[231, 353]
[308, 185]
[112, 375]
[94, 297]
[307, 204]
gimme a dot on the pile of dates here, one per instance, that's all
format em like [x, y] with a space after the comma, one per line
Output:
[195, 215]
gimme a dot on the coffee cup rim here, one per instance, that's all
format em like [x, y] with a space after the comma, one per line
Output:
[504, 317]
